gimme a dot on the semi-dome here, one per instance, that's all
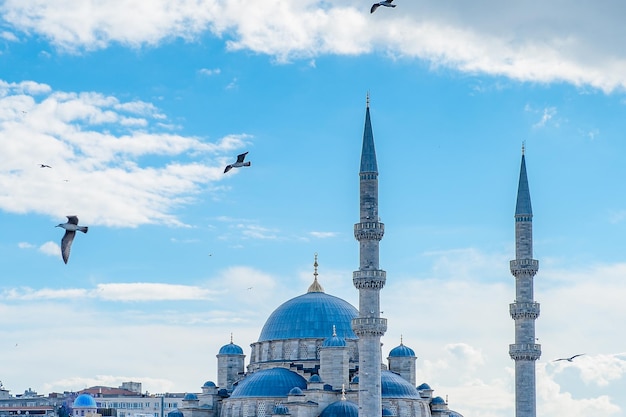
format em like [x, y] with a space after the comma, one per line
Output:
[402, 351]
[310, 315]
[394, 386]
[342, 408]
[230, 349]
[274, 382]
[85, 401]
[175, 413]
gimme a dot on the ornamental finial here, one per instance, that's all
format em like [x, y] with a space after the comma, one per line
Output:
[523, 147]
[367, 100]
[343, 392]
[315, 287]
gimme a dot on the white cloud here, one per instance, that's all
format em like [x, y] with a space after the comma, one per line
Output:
[323, 235]
[209, 72]
[93, 143]
[50, 248]
[528, 42]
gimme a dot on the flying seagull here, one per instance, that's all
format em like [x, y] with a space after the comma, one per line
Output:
[386, 3]
[70, 231]
[44, 166]
[570, 359]
[239, 163]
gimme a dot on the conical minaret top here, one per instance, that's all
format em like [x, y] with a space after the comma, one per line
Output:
[523, 207]
[368, 153]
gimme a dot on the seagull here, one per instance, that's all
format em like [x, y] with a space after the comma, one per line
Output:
[44, 166]
[570, 359]
[70, 231]
[239, 163]
[386, 3]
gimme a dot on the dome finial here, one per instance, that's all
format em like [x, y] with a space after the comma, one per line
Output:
[367, 100]
[334, 331]
[231, 338]
[315, 287]
[523, 147]
[401, 344]
[343, 392]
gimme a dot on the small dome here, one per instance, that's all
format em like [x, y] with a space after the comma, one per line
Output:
[423, 386]
[315, 378]
[190, 396]
[209, 384]
[175, 413]
[230, 349]
[281, 410]
[342, 408]
[387, 412]
[85, 401]
[401, 351]
[394, 386]
[274, 382]
[438, 400]
[296, 391]
[334, 341]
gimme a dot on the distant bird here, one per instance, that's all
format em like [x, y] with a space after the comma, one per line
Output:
[386, 3]
[570, 359]
[44, 166]
[239, 163]
[70, 231]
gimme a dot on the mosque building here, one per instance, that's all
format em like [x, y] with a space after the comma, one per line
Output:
[319, 356]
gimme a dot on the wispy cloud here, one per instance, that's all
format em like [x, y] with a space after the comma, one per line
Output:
[323, 235]
[209, 72]
[94, 144]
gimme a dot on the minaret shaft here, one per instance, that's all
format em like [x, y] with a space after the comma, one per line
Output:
[524, 310]
[369, 280]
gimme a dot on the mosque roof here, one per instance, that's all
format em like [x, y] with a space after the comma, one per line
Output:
[85, 401]
[394, 386]
[231, 349]
[190, 397]
[341, 408]
[402, 351]
[274, 382]
[310, 315]
[175, 413]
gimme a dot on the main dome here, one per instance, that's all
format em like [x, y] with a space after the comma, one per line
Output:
[311, 315]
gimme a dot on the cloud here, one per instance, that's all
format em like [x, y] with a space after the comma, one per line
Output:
[529, 41]
[50, 248]
[94, 144]
[323, 235]
[209, 72]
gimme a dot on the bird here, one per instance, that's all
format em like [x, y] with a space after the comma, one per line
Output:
[44, 166]
[239, 163]
[570, 359]
[386, 3]
[70, 231]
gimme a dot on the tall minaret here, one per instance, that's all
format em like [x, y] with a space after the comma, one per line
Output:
[524, 310]
[369, 280]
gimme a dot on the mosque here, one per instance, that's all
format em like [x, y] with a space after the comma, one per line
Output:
[317, 355]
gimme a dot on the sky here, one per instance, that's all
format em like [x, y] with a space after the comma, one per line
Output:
[138, 106]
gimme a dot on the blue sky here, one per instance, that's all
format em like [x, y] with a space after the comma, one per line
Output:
[138, 106]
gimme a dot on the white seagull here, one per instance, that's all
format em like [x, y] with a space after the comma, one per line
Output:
[570, 359]
[239, 163]
[386, 3]
[70, 231]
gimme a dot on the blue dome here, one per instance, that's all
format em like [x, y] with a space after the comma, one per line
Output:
[281, 410]
[341, 408]
[315, 378]
[438, 400]
[209, 384]
[424, 386]
[275, 382]
[296, 391]
[85, 401]
[175, 413]
[310, 315]
[190, 397]
[334, 341]
[401, 351]
[230, 349]
[394, 386]
[387, 412]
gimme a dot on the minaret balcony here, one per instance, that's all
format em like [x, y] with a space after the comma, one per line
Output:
[373, 326]
[524, 267]
[520, 310]
[369, 231]
[525, 351]
[369, 279]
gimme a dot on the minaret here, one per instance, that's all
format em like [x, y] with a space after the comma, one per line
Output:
[369, 280]
[524, 310]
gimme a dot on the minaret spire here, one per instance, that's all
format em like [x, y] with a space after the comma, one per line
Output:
[524, 310]
[369, 279]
